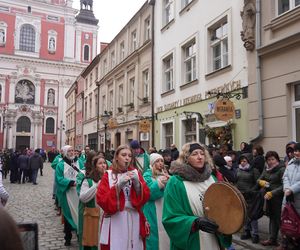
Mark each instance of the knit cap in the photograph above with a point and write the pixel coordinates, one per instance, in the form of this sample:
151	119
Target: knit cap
227	158
154	157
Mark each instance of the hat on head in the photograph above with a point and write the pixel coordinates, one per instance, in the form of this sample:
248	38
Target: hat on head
297	146
154	157
65	149
219	160
244	156
134	144
227	158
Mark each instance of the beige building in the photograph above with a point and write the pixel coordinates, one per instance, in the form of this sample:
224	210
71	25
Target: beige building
125	83
71	115
274	75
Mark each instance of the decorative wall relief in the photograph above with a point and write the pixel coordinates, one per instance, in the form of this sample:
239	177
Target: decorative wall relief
25	92
249	19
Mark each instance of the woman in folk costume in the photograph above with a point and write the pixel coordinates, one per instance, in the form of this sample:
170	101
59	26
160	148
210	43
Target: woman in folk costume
156	178
87	191
65	175
121	194
183	216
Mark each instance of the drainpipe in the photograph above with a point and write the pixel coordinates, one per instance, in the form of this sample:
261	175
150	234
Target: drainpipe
258	74
152	3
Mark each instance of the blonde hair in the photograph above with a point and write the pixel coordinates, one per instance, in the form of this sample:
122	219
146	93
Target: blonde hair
185	153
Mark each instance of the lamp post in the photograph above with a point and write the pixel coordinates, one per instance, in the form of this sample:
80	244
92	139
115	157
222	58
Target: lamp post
61	128
105	118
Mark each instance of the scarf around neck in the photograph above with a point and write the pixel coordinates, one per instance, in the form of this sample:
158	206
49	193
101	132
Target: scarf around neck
245	168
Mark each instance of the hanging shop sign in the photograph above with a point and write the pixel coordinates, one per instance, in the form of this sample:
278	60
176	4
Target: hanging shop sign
112	123
144	126
224	109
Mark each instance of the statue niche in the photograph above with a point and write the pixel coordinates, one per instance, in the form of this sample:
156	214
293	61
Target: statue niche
51	97
248	23
25	92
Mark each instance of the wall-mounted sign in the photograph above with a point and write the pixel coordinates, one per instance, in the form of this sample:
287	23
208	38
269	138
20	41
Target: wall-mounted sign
112	123
224	109
238	114
144	126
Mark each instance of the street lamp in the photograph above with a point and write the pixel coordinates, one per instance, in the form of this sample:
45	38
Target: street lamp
105	118
61	128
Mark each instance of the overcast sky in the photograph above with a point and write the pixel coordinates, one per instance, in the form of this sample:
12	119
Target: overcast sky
113	15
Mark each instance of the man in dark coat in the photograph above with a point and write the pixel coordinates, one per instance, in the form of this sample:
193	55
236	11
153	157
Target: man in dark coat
35	163
174	152
23	166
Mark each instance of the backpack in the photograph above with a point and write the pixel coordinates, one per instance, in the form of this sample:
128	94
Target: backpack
290	221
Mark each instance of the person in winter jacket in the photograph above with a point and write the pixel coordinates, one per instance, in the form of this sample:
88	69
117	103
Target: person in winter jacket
271	181
23	166
227	172
3	193
156	178
246	178
35	163
140	157
258	158
291	189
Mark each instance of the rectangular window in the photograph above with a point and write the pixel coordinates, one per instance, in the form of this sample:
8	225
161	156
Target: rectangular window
104	66
133	41
168	134
85	108
189	52
91	106
190	130
86	83
168	73
120	98
146	83
131	90
96	105
168	15
122	51
112	59
147	29
91	78
96	73
103	104
286	5
111	100
219	45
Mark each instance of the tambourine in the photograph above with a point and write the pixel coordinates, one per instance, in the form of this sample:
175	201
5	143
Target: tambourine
225	204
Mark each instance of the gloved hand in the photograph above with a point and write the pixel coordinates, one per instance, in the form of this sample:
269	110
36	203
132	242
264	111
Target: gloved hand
206	225
262	183
71	183
268	195
123	180
135	179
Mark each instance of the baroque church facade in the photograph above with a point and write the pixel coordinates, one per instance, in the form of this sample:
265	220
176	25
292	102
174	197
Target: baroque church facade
44	46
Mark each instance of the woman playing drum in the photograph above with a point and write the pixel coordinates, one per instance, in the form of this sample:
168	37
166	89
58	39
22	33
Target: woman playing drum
183	215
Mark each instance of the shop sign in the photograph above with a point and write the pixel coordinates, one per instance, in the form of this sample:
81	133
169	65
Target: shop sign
144	126
224	109
112	123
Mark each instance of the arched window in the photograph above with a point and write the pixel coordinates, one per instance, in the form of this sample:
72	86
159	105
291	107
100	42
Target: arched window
25	92
50	126
24	124
27	38
51	97
86	53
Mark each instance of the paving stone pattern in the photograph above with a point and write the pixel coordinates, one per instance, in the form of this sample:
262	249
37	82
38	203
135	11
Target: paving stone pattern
30	203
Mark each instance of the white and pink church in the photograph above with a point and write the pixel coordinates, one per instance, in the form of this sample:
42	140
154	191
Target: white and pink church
44	46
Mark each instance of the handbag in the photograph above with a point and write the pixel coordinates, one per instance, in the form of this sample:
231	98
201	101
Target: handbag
290	221
90	232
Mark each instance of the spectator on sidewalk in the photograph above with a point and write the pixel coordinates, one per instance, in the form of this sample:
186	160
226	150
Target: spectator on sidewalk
35	163
140	157
271	181
3	193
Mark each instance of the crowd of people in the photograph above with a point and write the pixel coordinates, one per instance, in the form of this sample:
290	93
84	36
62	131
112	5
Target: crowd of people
150	200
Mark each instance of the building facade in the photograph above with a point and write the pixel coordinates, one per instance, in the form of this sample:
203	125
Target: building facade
274	77
44	45
198	53
125	80
71	115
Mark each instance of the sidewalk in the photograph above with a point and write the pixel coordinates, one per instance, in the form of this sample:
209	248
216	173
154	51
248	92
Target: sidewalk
263	228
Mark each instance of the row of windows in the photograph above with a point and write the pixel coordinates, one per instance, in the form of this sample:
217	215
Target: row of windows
218	51
24	125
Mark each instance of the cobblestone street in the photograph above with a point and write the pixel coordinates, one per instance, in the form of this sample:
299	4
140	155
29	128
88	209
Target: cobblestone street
33	203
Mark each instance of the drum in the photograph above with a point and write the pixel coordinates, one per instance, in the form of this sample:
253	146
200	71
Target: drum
224	204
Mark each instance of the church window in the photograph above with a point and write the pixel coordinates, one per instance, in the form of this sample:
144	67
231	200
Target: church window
86	53
27	38
24	124
3	28
50	125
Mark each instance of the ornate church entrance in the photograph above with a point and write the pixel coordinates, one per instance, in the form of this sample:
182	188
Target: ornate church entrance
22	142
